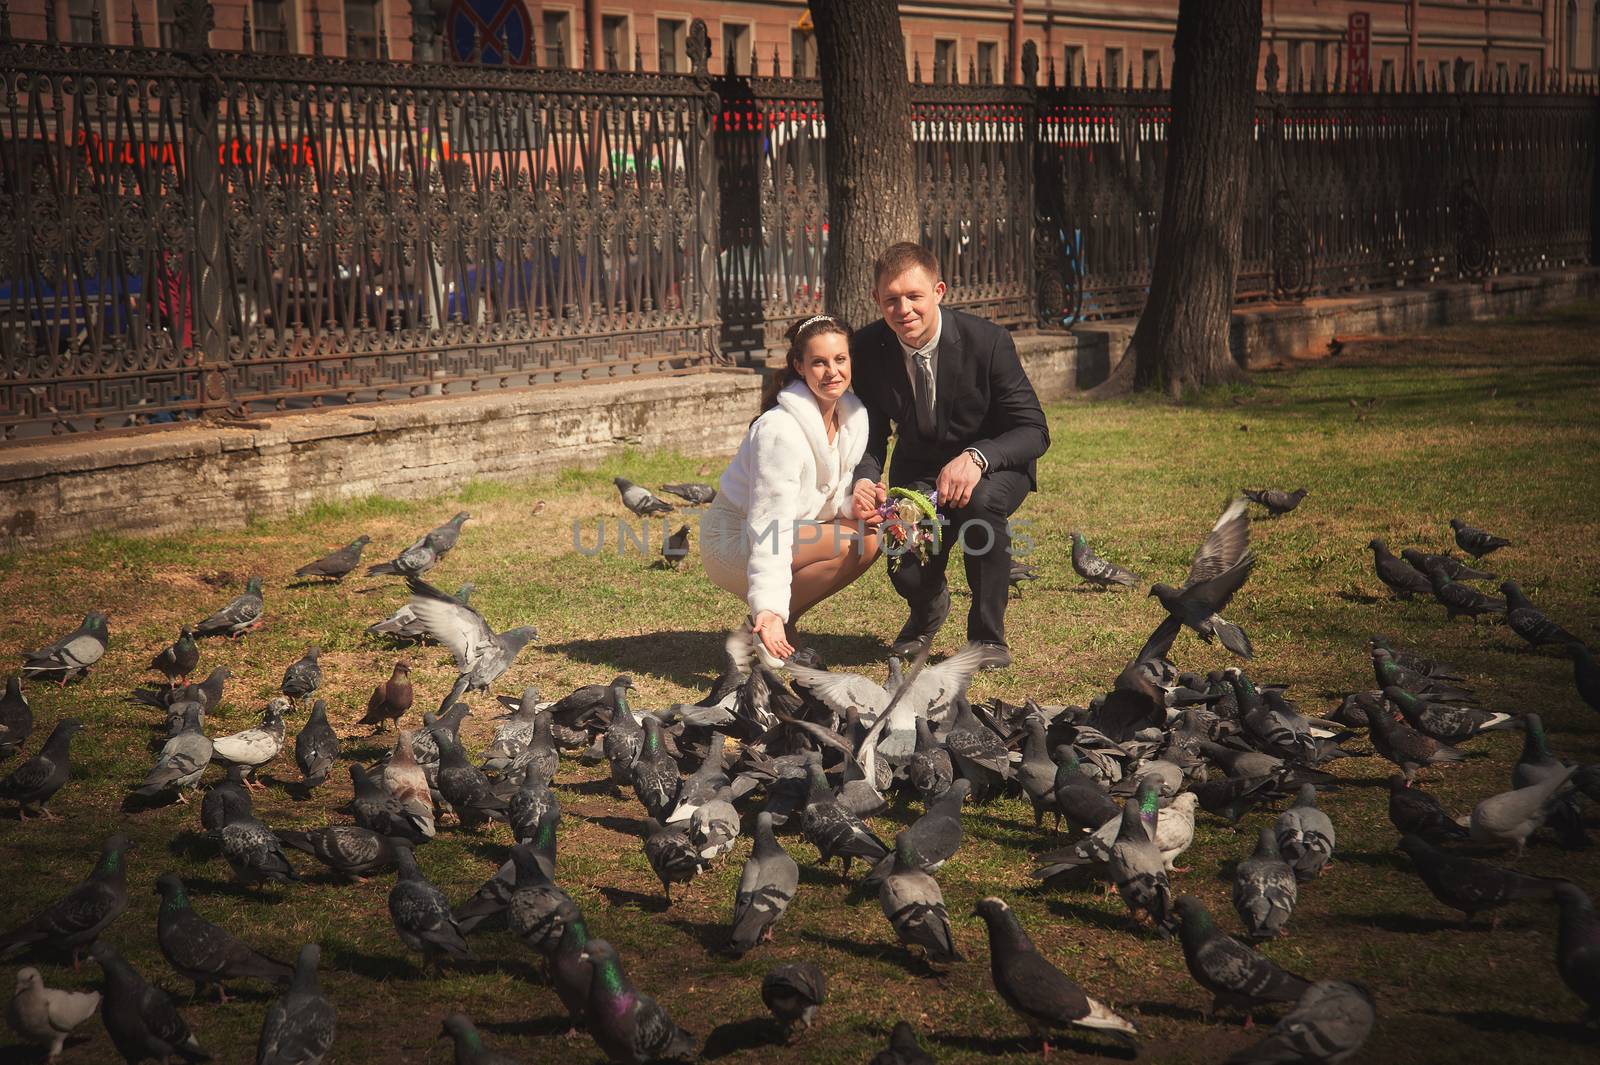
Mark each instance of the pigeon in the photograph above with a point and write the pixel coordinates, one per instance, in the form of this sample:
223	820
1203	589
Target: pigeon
531	806
303	677
316	747
225	798
299	1027
531	865
73	922
672	854
537	909
202	952
903	1048
694	494
714	827
1404	745
1237	977
766	886
34	782
655	775
1037	773
1038	992
1082	801
1476	542
640	500
390	699
1220	568
931	839
1585	675
525	743
570	972
794	993
1401	578
1329	1024
914	905
979	754
704	784
349	850
628	1025
178	661
253	851
1136	866
182	761
833	830
1416	813
1529	622
1510	817
253	747
466	788
70	657
1265	889
16	718
470	1048
930	769
1459	598
1096	571
1277	502
1305	835
242	613
338	565
1469	885
421	914
208	693
1446	723
377	810
1454	568
675	548
1020	574
425	553
1175	830
481	655
403	623
141	1018
46	1016
1577	946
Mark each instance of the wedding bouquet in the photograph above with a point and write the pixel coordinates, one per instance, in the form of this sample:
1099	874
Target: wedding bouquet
910	525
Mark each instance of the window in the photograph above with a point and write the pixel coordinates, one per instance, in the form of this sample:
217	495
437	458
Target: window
1572	34
802	54
361	28
1319	64
1386	75
1072	63
166	23
988	58
1152	64
1469	72
1445	77
271	23
614	42
671	54
736	46
80	21
1114	67
1523	75
944	62
1501	73
556	31
1291	66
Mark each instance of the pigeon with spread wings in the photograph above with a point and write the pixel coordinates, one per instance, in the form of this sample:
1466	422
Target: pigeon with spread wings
481	654
1220	568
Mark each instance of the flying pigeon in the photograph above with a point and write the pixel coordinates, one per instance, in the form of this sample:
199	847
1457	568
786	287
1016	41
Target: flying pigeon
1329	1024
1529	622
640	500
349	850
141	1018
470	1047
1476	542
914	905
73	922
1096	571
339	564
1305	835
316	747
1469	885
242	613
403	623
1416	813
304	676
766	886
253	747
182	761
1042	995
794	993
1277	501
46	1016
1264	889
1237	977
421	914
481	655
299	1027
695	494
178	661
202	952
71	656
425	553
1402	579
1220	568
34	782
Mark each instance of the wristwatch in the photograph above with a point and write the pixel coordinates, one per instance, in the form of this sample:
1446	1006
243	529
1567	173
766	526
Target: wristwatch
977	456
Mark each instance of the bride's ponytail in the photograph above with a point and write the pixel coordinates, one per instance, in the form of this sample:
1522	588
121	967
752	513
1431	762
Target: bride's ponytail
799	335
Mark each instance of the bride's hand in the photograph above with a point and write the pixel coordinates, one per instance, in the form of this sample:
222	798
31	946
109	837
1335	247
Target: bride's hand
769	627
867	496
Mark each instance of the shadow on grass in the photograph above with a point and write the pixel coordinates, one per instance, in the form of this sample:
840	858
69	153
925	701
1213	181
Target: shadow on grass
648	903
1091	916
534	1028
995	1046
1511	1023
694	658
1410	923
711	935
735	1036
265	894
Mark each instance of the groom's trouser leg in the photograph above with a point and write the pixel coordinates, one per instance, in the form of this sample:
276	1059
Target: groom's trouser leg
986	549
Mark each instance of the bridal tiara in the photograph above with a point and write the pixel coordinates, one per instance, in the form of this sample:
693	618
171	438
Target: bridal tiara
813	320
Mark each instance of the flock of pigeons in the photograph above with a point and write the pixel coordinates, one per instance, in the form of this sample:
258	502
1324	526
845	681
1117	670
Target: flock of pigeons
815	755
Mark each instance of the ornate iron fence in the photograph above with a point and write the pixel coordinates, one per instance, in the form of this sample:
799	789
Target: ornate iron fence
192	230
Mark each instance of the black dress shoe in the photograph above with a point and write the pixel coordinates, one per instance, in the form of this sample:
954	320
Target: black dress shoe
999	654
923	624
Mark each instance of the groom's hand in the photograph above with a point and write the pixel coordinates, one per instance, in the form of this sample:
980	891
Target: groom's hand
867	496
957	480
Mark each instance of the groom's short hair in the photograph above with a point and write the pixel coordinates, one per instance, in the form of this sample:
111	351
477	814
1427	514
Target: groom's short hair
896	259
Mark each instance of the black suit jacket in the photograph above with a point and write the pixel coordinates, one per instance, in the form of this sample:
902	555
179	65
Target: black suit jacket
982	399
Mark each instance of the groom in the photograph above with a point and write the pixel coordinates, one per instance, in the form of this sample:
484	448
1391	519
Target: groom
968	425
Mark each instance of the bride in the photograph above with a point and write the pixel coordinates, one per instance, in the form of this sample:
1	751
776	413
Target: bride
780	533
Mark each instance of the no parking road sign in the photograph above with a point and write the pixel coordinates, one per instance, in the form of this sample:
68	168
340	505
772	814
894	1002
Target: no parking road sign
503	29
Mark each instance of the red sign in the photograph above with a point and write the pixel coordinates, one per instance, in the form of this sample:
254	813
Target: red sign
1358	47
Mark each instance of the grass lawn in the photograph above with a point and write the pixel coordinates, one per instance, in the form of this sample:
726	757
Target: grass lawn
1493	422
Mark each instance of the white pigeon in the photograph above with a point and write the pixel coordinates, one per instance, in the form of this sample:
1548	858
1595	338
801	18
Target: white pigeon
1175	829
254	747
47	1015
1512	816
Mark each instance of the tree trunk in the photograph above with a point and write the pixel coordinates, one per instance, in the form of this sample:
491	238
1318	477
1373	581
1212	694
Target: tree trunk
871	167
1181	340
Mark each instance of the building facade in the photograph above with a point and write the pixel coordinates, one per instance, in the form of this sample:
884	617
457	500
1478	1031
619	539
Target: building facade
1126	42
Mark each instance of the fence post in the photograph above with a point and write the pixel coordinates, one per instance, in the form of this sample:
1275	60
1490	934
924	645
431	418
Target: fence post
708	200
1474	230
208	283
